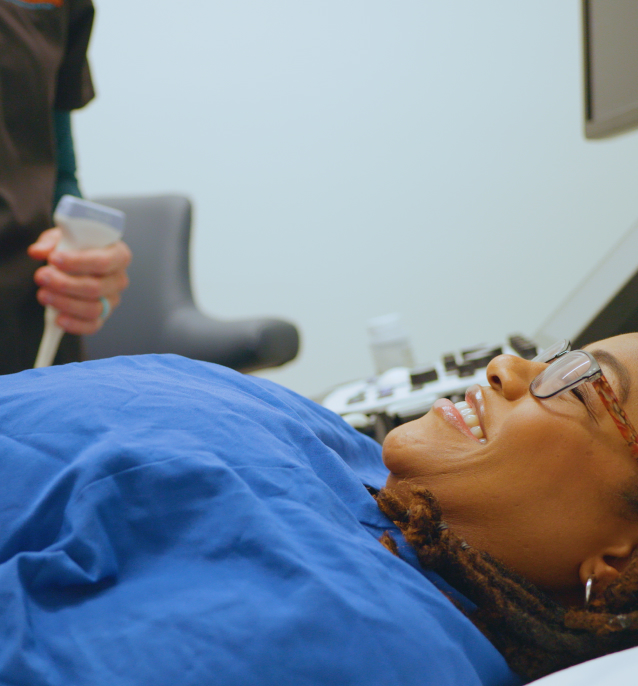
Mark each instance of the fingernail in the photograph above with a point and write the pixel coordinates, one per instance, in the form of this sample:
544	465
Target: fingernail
44	278
57	259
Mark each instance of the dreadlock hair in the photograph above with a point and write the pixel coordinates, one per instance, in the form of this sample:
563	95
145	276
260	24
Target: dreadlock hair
535	634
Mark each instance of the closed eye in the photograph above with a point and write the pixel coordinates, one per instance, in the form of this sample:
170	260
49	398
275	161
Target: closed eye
582	395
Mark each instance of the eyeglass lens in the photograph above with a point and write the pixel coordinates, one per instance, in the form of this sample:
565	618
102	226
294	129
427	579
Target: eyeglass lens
564	372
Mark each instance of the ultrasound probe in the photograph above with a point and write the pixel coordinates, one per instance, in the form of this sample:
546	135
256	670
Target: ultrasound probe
84	225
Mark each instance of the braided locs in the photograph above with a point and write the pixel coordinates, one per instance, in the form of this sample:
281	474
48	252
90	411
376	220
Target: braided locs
535	634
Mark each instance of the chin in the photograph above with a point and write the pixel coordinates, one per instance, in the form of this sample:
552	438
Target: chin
412	451
403	440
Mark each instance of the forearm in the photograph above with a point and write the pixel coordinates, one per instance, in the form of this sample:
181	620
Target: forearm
66	179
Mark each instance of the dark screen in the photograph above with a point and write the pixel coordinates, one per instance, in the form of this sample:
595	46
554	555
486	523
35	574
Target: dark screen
611	66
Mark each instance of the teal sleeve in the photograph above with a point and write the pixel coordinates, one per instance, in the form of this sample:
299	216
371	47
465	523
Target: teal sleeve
66	181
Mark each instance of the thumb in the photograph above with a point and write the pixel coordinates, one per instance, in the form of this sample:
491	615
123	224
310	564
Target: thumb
44	244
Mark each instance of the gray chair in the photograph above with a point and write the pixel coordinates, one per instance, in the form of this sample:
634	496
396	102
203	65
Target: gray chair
157	313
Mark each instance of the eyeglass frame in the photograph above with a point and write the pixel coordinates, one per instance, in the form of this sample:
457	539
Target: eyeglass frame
597	379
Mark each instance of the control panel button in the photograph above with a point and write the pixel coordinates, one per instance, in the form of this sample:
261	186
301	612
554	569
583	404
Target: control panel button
465	369
419	377
481	357
449	362
358	398
523	346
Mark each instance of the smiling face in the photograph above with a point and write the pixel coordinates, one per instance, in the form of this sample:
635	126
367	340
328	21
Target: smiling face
552	488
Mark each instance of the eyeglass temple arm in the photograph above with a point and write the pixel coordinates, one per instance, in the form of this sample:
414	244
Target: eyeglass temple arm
610	401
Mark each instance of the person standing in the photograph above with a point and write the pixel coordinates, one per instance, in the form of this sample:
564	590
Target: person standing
44	75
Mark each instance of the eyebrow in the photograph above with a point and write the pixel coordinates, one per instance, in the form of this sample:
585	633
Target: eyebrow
619	369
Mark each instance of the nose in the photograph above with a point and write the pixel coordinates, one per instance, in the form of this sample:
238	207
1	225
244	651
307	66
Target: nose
511	375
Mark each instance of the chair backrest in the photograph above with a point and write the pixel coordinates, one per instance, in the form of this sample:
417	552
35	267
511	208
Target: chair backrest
157	313
158	233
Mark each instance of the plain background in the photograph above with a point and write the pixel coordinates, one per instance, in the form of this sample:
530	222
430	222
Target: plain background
350	158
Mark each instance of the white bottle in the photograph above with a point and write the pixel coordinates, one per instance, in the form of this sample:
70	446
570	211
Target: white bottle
389	343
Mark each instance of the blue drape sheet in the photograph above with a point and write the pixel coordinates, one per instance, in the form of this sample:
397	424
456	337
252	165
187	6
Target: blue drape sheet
165	521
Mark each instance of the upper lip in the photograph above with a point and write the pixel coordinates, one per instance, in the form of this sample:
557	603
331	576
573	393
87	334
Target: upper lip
474	397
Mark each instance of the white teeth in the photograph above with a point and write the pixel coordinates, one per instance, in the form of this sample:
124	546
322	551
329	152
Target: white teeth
470	418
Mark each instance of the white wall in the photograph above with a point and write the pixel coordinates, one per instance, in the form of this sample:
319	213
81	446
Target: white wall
349	158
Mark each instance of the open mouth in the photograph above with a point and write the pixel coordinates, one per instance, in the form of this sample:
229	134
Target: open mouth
466	415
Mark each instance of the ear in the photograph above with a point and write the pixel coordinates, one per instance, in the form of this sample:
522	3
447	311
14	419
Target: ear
606	566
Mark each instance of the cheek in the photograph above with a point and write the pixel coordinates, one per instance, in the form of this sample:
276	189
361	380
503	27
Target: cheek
546	441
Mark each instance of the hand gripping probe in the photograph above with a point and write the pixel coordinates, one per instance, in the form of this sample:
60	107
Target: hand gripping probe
84	225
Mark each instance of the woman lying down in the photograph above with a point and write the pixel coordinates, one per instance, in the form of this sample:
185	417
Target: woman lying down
166	521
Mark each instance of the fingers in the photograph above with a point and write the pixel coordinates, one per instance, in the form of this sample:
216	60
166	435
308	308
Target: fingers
56	282
92	261
77	316
77	298
73	281
45	244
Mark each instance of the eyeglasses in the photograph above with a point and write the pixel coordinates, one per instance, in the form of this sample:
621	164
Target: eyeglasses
569	369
